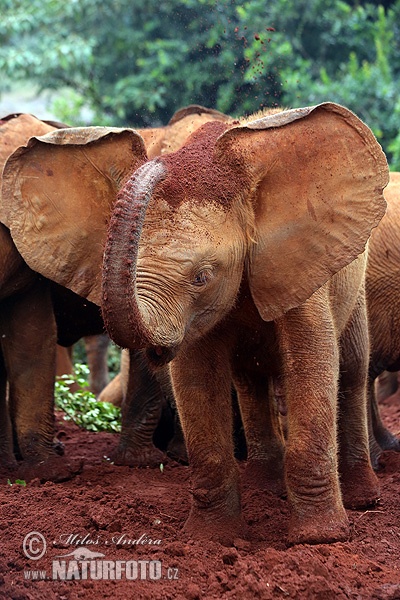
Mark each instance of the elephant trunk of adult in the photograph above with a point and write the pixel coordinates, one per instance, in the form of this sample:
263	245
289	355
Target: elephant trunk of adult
121	312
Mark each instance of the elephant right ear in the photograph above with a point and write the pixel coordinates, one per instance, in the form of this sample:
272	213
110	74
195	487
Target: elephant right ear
57	196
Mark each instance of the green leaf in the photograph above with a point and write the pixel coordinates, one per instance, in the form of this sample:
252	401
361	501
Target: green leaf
82	406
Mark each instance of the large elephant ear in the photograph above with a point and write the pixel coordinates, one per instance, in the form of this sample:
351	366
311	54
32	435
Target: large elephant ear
15	131
57	196
318	175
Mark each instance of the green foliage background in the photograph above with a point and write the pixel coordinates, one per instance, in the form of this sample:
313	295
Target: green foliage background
135	63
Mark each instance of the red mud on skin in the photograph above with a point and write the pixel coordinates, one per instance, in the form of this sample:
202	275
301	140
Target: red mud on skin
194	174
105	502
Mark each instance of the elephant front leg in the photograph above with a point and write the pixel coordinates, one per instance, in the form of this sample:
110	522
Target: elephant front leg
141	411
358	481
201	379
311	367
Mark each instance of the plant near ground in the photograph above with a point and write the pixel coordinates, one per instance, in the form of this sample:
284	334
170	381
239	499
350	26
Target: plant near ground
82	407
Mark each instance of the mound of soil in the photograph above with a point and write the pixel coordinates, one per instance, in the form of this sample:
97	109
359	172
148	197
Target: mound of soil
115	532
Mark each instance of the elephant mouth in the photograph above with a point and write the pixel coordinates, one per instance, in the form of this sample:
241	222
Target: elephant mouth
159	356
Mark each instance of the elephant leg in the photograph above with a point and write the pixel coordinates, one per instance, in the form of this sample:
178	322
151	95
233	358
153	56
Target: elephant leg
176	448
28	338
96	347
112	393
380	438
311	368
201	378
386	384
141	411
7	459
64	365
374	448
358	481
264	438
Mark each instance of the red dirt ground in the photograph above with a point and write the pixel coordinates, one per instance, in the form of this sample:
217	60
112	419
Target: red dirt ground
110	504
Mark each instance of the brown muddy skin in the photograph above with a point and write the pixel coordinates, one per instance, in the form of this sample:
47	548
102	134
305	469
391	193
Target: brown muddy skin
194	168
31	321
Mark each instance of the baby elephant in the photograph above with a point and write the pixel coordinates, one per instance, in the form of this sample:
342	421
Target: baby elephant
244	245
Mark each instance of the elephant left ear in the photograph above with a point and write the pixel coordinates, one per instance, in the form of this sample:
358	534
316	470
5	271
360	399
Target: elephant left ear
317	175
57	195
15	131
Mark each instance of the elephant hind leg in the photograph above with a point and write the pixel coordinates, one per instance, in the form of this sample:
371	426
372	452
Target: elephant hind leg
380	438
386	384
96	347
7	459
141	411
263	432
359	483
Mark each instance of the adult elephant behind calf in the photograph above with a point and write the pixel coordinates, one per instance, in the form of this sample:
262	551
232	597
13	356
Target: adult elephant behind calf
28	337
383	300
219	257
34	311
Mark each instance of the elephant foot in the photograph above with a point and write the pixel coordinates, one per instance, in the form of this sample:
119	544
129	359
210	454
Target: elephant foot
216	509
8	464
7	458
177	450
360	487
132	456
262	474
224	529
53	468
320	528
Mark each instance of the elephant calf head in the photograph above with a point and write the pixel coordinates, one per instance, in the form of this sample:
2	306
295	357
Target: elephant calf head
285	201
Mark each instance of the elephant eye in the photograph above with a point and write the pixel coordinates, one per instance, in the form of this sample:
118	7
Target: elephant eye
202	277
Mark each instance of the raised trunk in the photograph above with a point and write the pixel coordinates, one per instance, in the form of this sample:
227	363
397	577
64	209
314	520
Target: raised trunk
121	313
